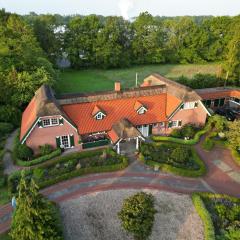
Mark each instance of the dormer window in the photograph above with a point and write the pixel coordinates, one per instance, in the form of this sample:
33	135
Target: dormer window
98	113
100	116
141	110
139	107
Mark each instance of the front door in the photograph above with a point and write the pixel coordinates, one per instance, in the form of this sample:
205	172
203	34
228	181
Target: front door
144	129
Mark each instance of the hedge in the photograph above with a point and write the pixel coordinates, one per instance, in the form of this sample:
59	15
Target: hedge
38	160
180	171
83	171
66	176
193	141
209	233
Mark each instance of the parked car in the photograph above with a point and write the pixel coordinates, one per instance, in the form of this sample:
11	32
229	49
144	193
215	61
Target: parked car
228	113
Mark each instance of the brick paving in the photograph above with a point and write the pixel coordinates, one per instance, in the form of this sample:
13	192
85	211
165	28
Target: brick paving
220	178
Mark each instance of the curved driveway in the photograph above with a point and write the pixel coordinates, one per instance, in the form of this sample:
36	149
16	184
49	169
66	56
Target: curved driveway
222	177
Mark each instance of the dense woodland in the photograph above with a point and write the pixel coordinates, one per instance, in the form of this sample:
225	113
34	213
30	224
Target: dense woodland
30	46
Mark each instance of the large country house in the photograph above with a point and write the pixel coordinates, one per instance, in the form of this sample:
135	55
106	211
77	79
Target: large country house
94	119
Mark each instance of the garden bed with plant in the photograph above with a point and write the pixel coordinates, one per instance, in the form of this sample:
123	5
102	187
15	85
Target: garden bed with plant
72	165
220	215
175	158
188	134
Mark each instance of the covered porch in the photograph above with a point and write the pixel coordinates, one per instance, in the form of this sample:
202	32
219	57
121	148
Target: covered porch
125	137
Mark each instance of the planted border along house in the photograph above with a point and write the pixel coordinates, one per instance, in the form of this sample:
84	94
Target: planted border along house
94	119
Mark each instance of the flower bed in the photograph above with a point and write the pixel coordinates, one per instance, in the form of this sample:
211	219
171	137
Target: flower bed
72	165
220	214
174	158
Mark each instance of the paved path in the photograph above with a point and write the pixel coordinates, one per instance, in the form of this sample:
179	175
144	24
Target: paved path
138	176
9	166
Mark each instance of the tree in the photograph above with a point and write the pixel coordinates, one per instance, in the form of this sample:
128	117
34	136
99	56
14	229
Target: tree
147	43
80	40
233	134
137	215
46	29
232	63
33	218
113	43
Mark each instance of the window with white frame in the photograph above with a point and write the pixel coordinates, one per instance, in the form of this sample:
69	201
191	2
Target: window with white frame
174	123
50	122
54	121
161	124
189	105
46	122
100	116
65	141
141	110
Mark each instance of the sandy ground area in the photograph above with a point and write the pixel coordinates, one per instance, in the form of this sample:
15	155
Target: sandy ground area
94	217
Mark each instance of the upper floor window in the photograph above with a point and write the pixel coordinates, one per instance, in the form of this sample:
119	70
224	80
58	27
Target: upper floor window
50	122
100	116
190	105
142	110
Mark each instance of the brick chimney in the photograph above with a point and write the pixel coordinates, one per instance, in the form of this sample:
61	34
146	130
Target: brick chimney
117	86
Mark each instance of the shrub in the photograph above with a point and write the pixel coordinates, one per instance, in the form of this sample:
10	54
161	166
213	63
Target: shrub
180	154
38	173
205	216
24	152
5	128
39	160
137	215
208	144
188	130
45	149
176	133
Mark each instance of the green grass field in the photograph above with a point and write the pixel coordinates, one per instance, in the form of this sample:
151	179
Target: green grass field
73	81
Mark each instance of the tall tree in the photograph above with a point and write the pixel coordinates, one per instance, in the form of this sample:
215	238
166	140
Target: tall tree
33	218
113	43
48	32
81	39
147	44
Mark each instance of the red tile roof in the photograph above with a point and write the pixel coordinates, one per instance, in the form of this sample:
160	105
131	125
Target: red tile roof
113	136
96	110
115	110
216	93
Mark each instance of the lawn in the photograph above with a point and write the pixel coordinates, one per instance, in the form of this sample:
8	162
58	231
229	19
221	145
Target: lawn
72	81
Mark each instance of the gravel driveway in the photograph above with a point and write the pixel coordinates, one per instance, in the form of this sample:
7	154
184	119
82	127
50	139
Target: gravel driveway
94	217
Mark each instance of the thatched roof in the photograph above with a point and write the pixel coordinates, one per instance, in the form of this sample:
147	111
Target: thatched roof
174	88
124	129
110	95
46	104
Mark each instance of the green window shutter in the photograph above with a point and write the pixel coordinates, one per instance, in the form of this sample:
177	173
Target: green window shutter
61	121
179	123
150	129
40	123
196	104
58	142
169	124
72	140
182	106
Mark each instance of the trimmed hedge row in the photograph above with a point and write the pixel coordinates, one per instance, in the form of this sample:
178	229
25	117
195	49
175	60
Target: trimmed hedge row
209	233
2	176
38	160
83	171
193	141
179	171
78	172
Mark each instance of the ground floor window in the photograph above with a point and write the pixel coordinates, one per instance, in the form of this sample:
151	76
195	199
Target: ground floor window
65	141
